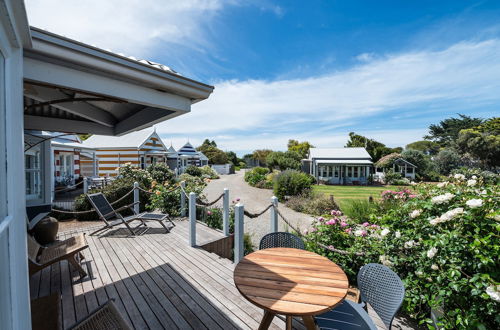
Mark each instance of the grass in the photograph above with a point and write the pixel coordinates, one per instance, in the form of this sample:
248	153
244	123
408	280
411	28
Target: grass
345	193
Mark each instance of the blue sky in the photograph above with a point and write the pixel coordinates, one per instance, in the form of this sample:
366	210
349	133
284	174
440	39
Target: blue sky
309	70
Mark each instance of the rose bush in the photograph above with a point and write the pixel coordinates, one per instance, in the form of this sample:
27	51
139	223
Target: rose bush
442	240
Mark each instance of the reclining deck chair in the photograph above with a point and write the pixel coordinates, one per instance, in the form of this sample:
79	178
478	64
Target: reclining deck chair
112	217
40	257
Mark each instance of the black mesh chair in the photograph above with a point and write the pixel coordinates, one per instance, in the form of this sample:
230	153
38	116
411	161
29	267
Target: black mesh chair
381	288
108	214
281	239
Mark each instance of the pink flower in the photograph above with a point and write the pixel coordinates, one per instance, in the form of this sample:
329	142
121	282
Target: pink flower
306	231
330	247
209	212
343	224
331	222
365	224
374	226
412	196
313	229
237	199
321	219
364	233
348	230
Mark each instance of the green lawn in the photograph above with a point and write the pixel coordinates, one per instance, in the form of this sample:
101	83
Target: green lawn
343	193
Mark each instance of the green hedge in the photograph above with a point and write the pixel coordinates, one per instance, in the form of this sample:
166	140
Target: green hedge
292	183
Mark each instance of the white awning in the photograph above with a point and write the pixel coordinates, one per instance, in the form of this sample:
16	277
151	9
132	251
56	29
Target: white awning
346	161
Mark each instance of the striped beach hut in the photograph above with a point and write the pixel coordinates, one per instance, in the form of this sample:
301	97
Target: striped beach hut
141	149
188	155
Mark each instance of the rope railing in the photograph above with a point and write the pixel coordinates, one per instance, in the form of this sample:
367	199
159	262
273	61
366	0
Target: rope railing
199	202
255	215
68	188
153	192
330	248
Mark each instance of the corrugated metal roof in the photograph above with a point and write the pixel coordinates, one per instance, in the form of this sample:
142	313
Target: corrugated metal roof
131	140
339	153
346	161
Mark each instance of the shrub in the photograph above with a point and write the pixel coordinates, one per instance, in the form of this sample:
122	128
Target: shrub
359	209
391	176
442	241
160	173
209	172
256	175
292	183
193	170
312	203
400	182
134	173
283	160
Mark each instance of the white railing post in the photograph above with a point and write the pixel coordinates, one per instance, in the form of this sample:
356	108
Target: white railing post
192	219
225	214
136	197
183	199
274	214
239	213
85	185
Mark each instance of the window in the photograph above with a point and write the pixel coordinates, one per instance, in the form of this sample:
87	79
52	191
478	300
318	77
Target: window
143	163
33	170
356	173
336	171
66	167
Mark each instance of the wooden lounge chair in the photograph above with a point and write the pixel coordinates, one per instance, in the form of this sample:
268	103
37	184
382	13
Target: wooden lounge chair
105	317
70	249
112	217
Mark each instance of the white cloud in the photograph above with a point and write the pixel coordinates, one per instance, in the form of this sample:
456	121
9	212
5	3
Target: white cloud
134	27
461	77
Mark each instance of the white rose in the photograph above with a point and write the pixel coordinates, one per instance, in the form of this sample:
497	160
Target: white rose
432	252
415	213
397	234
473	203
474	177
358	232
459	176
494	292
384	232
385	261
442	198
409	244
419	273
434	267
471	182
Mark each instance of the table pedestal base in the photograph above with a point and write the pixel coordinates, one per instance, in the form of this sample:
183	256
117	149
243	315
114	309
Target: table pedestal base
268	318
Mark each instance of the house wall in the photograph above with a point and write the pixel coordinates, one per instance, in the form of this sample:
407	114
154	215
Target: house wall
61	158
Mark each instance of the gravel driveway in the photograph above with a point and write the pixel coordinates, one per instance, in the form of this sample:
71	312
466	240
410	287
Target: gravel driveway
255	200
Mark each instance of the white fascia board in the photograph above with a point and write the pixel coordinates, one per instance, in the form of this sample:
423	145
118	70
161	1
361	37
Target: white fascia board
15	22
38	71
76	53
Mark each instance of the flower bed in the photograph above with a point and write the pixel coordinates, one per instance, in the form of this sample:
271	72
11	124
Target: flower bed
442	240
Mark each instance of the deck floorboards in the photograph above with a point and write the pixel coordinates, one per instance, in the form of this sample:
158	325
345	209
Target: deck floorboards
157	281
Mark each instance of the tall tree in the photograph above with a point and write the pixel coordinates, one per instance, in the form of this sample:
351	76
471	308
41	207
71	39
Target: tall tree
427	147
376	149
214	154
482	142
260	155
446	132
302	148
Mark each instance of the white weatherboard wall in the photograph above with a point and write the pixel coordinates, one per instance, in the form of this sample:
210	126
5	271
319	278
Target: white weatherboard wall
14	287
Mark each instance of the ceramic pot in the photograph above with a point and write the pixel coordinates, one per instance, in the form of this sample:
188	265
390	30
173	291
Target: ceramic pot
45	231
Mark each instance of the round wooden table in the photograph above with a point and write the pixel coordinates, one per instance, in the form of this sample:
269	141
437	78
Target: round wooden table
291	282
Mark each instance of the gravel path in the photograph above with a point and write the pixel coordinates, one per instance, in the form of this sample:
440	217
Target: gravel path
255	200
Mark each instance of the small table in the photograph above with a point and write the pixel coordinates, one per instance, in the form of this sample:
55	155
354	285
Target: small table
291	282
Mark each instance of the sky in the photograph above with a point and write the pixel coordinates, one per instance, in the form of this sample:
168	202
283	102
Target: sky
306	70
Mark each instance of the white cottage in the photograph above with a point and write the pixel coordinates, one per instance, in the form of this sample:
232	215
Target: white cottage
339	165
52	83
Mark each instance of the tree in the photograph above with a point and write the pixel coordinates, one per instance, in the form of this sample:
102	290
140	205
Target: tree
447	160
484	146
261	155
233	158
289	160
302	148
207	142
446	132
376	149
427	147
214	154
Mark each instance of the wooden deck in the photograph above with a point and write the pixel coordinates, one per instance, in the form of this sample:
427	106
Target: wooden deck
157	281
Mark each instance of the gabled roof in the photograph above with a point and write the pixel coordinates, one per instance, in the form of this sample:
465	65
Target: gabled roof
132	140
187	149
404	161
339	153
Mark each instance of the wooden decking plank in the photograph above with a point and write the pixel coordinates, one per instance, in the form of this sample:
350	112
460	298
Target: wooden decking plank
196	290
199	274
195	302
78	294
106	280
93	274
176	305
55	282
87	286
135	316
67	302
149	290
136	288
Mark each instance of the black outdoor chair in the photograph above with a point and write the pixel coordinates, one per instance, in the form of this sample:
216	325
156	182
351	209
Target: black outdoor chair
112	217
381	288
281	239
